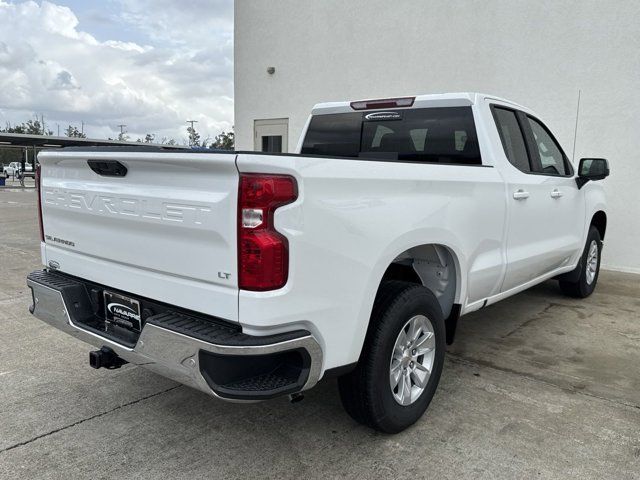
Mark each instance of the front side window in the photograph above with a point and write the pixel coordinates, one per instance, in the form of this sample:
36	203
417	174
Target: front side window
552	160
432	135
512	138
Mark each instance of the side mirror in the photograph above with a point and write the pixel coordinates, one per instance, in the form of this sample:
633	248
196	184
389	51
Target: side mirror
592	169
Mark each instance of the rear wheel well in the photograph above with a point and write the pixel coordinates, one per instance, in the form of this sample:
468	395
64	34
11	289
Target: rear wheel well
434	267
401	271
599	221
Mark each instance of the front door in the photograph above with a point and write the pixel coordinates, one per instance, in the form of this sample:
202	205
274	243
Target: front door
271	135
544	213
565	204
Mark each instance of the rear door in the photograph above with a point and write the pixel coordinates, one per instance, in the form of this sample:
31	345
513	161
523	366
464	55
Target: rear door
156	224
543	223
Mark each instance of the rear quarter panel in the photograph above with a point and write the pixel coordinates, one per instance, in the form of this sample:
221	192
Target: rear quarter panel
352	218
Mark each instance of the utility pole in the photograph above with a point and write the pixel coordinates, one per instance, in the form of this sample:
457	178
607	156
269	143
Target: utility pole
58	125
122	125
82	127
191	122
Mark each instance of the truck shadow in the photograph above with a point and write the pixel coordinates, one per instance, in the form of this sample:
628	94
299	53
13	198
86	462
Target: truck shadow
479	328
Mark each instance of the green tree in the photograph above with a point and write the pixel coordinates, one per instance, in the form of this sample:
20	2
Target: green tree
149	138
72	131
34	127
224	141
30	127
15	129
194	137
168	141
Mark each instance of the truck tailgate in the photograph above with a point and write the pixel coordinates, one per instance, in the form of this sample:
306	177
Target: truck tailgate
166	230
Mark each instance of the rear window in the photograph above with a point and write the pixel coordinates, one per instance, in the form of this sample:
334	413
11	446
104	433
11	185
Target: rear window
433	135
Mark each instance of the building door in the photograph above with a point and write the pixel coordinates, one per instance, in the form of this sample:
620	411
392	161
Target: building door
271	135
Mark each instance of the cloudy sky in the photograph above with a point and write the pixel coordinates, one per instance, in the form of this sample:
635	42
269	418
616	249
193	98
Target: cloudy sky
149	64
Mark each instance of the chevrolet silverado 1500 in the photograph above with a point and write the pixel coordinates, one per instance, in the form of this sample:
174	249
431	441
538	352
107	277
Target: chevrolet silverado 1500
250	275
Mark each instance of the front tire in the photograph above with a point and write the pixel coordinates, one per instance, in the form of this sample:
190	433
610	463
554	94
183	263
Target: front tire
589	266
401	361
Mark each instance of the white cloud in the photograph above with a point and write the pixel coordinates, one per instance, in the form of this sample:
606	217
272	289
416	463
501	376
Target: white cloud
180	67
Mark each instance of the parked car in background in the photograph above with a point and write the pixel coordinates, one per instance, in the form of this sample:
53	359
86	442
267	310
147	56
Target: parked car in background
15	168
353	258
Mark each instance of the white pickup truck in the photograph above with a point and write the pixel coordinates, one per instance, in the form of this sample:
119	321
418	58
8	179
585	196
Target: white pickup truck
15	168
250	275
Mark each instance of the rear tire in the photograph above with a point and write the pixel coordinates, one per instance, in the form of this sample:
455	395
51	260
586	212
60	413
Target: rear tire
589	268
402	311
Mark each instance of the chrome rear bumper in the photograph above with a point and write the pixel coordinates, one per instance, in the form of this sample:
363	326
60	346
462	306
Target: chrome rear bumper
169	353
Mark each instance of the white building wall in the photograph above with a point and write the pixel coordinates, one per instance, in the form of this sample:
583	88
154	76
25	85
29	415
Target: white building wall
536	53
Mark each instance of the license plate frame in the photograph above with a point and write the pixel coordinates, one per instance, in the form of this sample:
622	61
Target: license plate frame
122	310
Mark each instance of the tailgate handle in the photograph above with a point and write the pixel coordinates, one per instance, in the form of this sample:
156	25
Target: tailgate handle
108	168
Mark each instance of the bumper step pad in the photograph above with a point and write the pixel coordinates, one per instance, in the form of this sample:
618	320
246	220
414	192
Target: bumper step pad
261	383
216	333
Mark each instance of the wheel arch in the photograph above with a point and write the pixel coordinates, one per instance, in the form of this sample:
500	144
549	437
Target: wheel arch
433	265
438	267
599	220
392	265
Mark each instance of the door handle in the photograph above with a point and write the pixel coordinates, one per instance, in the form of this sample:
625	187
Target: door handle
556	193
520	194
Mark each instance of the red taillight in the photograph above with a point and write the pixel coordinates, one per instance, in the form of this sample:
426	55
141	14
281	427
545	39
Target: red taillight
263	252
38	192
383	103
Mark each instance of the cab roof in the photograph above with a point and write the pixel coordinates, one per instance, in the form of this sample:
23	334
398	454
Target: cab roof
461	99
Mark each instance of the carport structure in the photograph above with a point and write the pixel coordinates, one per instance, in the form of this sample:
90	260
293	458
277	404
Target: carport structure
35	143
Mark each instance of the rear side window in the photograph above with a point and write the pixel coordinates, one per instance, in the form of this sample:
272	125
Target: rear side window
433	135
512	138
335	135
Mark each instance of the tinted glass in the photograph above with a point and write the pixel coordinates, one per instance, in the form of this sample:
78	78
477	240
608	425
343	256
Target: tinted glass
335	135
272	143
512	138
551	156
434	135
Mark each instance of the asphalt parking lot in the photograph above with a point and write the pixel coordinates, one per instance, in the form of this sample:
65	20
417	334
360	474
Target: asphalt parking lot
537	386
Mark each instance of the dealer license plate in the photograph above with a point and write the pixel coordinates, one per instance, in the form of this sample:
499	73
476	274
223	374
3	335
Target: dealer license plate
122	311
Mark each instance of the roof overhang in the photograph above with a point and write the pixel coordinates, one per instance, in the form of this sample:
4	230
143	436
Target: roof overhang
50	141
